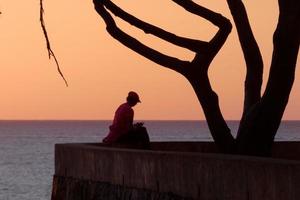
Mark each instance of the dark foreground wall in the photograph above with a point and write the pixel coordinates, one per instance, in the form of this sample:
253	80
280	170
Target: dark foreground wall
171	171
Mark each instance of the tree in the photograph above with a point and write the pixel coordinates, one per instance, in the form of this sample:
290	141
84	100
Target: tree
262	114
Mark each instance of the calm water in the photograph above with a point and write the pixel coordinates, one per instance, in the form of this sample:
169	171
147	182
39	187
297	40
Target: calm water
27	148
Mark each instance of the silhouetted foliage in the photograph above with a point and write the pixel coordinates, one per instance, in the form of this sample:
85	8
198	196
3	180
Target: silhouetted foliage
262	113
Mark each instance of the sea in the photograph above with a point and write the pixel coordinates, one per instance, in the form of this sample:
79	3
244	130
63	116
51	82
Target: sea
27	148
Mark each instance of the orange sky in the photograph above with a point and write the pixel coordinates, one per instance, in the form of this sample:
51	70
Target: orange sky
101	71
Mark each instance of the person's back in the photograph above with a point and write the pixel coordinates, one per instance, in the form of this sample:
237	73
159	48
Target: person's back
122	123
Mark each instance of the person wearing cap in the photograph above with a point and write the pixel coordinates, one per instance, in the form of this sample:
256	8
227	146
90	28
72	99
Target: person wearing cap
123	119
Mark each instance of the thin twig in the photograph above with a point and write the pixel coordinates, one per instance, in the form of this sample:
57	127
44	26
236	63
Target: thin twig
50	52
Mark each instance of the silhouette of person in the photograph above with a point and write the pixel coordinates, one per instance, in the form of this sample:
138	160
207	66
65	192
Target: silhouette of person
123	119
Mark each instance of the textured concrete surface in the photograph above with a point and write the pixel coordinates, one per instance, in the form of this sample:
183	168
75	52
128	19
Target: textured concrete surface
75	189
178	169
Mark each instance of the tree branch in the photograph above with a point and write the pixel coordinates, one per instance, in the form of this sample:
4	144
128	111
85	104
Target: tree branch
218	40
252	55
50	52
286	42
135	45
191	44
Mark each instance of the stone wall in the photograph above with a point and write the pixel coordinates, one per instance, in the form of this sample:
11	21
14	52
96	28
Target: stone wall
173	170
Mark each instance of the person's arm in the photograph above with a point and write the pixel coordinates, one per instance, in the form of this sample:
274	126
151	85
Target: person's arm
128	123
131	116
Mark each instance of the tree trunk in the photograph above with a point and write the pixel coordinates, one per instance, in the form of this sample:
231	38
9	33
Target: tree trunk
210	103
261	123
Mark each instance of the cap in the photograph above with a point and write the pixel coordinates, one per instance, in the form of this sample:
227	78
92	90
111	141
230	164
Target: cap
133	96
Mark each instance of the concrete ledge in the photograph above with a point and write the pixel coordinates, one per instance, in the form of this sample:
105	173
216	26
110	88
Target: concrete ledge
172	168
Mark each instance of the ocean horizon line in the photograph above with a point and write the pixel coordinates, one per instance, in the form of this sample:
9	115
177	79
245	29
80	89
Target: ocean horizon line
137	120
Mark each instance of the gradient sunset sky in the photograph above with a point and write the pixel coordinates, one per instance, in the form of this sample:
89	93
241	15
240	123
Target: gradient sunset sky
101	71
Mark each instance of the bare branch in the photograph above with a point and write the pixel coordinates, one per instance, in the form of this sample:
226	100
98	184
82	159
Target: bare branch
286	40
215	18
135	45
50	52
251	52
192	44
